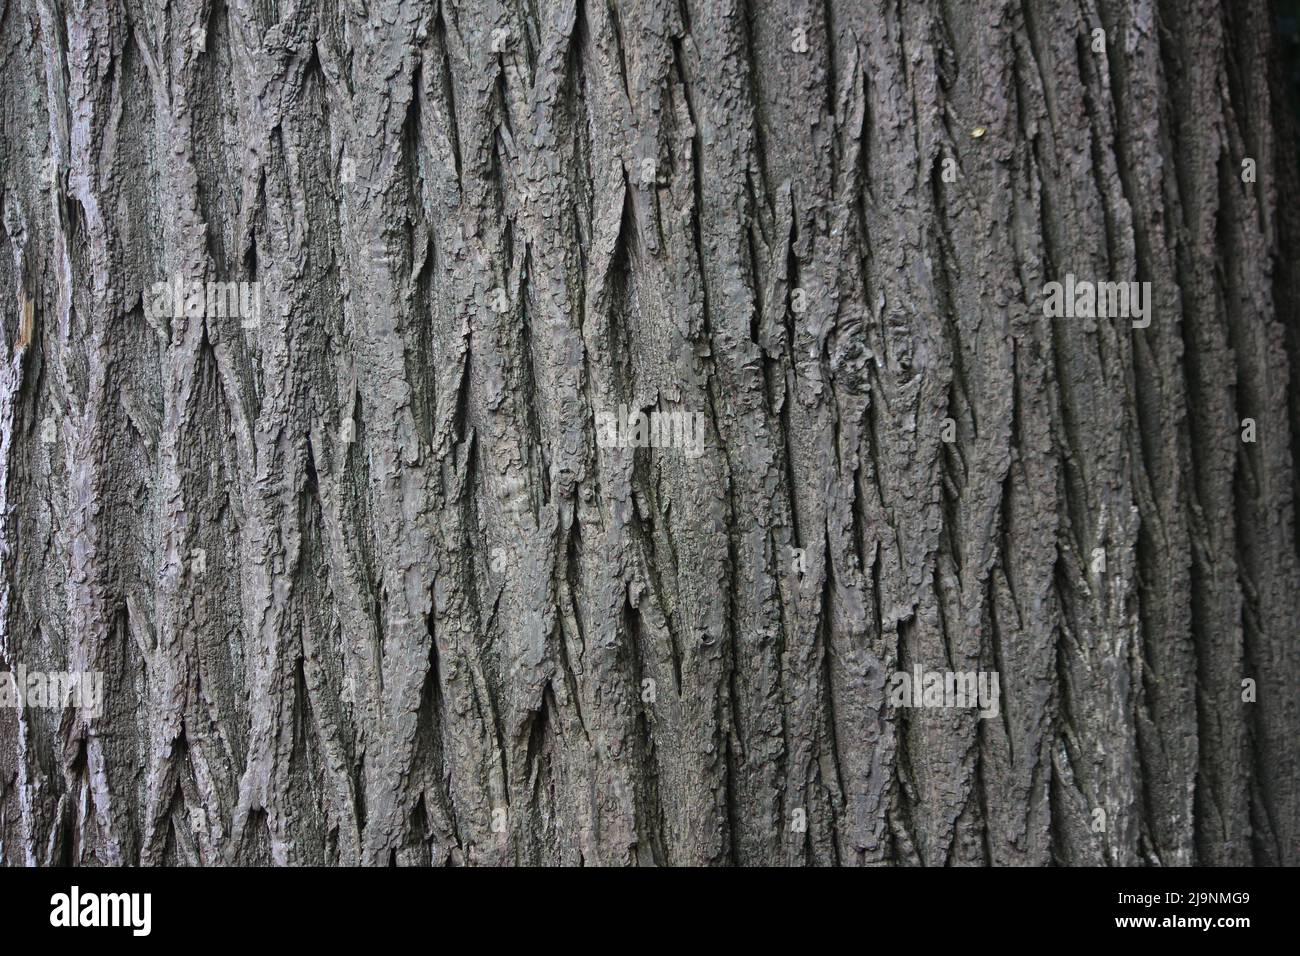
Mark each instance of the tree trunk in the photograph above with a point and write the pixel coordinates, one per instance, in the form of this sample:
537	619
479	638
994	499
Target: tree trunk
370	578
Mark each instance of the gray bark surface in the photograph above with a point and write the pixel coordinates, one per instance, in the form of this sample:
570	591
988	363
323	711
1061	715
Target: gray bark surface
425	637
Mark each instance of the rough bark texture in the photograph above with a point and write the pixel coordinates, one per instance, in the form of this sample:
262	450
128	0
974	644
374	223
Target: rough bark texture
428	641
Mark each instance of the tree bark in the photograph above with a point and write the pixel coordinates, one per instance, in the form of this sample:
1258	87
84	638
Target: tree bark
363	581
